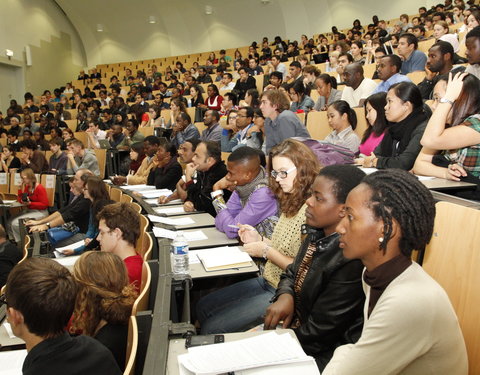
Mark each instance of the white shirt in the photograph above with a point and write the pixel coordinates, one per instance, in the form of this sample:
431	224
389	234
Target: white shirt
363	91
230	86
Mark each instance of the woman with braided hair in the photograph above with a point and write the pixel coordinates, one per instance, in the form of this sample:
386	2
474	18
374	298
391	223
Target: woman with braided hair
409	326
104	301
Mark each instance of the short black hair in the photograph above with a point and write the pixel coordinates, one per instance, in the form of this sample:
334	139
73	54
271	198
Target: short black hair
152	140
411	39
194	142
213	150
398	195
244	154
277	74
185	117
349	56
296	64
233	97
395	60
249	111
345	177
216	114
474	33
29	143
444	48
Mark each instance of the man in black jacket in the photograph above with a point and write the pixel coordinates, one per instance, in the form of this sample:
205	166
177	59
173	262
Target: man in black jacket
210	168
320	294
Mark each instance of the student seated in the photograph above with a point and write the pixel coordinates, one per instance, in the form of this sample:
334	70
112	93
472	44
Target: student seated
81	158
40	299
410	326
96	192
377	123
251	202
343	120
104	301
77	210
119	230
34	196
292	168
207	168
10	255
320	294
185	156
408	118
166	170
455	127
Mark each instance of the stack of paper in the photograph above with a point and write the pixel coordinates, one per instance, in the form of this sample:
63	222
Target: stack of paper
260	353
138	187
223	258
12	361
195	235
155	193
170	210
166	220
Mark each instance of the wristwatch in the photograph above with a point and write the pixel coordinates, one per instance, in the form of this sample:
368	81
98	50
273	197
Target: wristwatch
445	100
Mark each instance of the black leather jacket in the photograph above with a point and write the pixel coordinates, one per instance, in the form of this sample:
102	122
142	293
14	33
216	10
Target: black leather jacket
332	298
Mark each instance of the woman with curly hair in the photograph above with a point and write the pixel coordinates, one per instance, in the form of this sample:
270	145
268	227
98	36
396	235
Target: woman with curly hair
292	168
104	301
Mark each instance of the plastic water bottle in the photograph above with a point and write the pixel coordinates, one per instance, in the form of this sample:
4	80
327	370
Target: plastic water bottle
162	123
180	254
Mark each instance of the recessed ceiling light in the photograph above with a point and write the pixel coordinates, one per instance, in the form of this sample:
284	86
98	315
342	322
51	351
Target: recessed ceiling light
152	19
99	27
208	9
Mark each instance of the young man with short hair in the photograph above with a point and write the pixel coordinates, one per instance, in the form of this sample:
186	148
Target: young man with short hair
79	158
413	59
33	158
119	230
40	299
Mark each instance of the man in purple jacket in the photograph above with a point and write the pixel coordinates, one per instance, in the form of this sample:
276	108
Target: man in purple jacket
252	202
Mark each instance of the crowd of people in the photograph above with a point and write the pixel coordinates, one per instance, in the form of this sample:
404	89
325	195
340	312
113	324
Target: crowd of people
334	246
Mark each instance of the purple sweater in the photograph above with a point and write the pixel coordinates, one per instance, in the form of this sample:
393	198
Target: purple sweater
261	205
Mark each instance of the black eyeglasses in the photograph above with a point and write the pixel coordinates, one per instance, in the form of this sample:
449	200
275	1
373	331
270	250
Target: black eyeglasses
282	174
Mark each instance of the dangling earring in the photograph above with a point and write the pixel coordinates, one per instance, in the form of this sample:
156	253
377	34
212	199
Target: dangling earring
380	239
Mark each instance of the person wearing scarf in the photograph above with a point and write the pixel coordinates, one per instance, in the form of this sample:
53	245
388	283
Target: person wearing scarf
408	119
252	202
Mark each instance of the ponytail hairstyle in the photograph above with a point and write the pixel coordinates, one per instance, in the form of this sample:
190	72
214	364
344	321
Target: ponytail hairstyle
342	107
104	292
328	80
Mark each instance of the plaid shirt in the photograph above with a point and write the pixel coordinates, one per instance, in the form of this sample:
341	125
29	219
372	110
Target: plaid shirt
468	157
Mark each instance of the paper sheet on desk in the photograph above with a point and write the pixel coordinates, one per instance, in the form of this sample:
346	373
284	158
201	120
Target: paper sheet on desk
9	201
73	246
12	361
137	187
169	221
196	235
268	349
369	170
155	193
169	210
66	261
424	178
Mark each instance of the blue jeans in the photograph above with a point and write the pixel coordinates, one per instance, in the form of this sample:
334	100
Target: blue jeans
234	308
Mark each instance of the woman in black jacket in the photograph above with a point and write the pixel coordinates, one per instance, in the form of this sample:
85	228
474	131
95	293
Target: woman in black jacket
166	170
320	294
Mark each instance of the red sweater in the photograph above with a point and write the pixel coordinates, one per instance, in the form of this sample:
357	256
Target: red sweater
38	199
214	103
134	268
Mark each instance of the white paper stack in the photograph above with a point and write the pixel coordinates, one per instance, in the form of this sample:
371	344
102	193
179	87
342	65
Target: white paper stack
259	354
12	361
155	193
196	235
169	221
223	258
169	210
137	187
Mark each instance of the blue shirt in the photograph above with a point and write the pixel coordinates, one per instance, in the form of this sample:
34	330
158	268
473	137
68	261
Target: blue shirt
415	62
385	85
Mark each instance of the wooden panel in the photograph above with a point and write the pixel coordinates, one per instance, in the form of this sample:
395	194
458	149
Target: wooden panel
4	179
317	125
15	182
49	182
101	155
416	77
452	258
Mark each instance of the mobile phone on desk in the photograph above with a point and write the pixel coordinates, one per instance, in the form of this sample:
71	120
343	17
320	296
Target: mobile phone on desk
203	340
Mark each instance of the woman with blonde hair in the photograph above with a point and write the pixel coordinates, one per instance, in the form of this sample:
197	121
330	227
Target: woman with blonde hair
292	168
104	301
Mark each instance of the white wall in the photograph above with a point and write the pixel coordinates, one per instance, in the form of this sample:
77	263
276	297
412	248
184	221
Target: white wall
184	28
57	50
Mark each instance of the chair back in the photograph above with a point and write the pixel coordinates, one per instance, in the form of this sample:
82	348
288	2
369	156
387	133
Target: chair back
126	198
132	346
116	194
137	207
141	303
452	258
